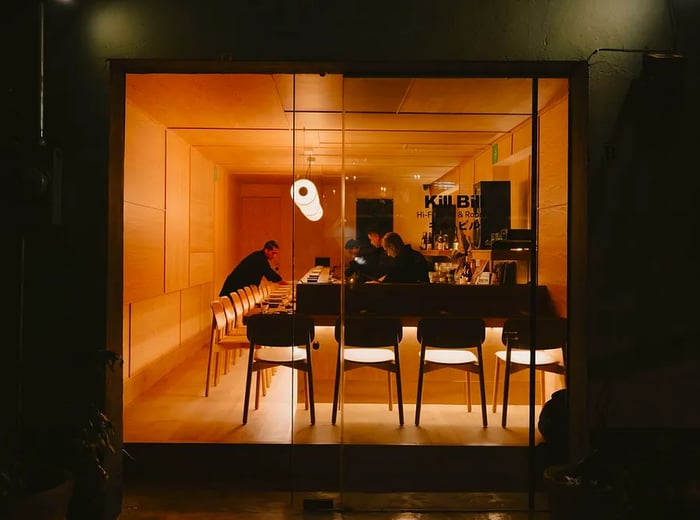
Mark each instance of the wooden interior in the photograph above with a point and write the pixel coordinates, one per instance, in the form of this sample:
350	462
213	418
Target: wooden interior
208	164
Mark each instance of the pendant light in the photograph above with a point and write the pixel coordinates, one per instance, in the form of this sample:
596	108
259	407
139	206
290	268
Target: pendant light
305	195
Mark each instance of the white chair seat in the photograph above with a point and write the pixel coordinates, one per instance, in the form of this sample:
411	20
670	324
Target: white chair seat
450	357
280	354
522	357
368	355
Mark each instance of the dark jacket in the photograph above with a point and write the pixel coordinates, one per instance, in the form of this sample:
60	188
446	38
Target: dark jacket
370	263
408	267
249	271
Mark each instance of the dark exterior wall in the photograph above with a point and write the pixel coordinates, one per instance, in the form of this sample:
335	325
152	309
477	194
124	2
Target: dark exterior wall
642	212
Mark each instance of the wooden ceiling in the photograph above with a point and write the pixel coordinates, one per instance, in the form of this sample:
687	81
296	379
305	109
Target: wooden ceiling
374	129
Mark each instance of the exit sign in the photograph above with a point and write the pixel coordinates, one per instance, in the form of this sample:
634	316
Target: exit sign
494	153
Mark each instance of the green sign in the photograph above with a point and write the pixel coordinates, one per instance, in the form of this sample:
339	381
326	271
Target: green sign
494	153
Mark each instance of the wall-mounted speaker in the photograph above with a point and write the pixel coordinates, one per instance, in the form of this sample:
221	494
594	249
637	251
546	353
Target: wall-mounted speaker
494	211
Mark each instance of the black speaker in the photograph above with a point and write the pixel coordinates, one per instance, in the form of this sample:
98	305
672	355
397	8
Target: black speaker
494	211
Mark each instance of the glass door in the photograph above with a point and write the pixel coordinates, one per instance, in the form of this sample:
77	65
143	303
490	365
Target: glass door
440	171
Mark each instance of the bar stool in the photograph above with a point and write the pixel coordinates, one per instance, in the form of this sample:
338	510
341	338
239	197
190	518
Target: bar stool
446	342
369	336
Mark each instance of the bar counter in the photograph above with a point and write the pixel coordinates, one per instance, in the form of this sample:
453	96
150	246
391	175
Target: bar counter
493	303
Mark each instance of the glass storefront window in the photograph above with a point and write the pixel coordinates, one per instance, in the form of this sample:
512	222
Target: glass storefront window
318	162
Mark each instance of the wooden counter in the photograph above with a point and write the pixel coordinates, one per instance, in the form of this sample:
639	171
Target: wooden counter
493	303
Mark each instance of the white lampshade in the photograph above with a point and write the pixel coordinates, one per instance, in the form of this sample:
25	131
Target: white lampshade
305	196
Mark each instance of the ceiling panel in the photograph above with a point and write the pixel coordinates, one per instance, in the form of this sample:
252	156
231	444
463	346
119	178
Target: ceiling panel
393	126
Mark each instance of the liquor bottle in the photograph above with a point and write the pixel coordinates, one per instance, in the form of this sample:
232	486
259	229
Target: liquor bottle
430	240
424	240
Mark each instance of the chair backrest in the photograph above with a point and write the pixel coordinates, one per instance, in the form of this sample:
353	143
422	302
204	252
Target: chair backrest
257	294
281	330
550	332
251	297
247	304
370	331
229	312
265	288
451	332
239	308
219	322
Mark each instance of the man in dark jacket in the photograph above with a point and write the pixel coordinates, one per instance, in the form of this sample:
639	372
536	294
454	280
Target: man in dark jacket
252	268
408	266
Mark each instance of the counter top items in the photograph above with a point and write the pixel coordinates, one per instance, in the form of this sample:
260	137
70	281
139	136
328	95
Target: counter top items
493	303
318	274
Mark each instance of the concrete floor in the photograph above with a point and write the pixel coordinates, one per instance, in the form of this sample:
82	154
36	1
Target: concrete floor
210	501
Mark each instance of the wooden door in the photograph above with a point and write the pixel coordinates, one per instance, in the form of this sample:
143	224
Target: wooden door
261	220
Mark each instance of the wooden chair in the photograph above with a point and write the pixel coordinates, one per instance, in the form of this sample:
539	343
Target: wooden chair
251	297
447	342
257	294
265	287
368	338
241	309
220	344
234	323
550	333
288	338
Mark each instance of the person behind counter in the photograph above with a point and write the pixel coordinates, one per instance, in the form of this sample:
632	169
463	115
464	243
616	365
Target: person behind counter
352	249
252	269
372	259
409	266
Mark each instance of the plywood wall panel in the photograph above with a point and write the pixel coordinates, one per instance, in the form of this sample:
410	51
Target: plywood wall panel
202	175
155	329
553	254
201	268
177	214
126	340
144	159
144	252
522	137
554	155
191	313
482	168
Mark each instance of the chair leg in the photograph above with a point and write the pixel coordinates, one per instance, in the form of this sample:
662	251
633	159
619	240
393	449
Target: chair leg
208	380
482	387
388	384
495	384
399	391
336	388
310	389
248	379
468	385
217	368
257	388
506	385
419	396
227	360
